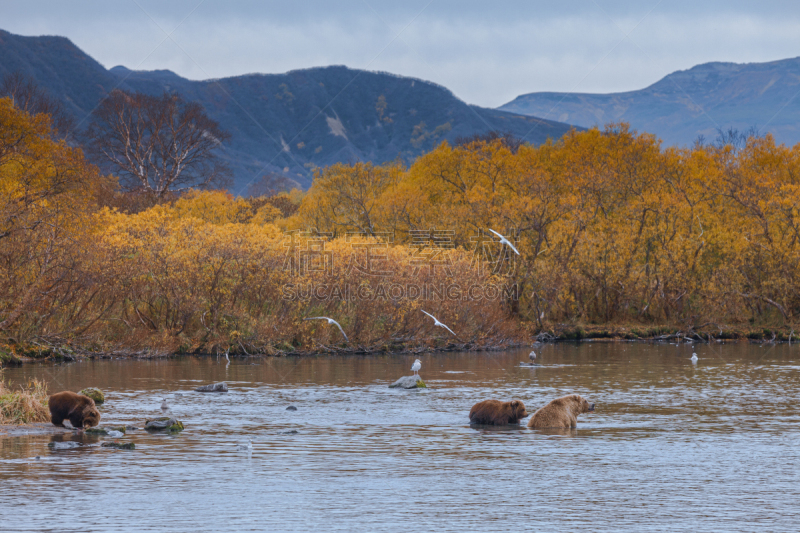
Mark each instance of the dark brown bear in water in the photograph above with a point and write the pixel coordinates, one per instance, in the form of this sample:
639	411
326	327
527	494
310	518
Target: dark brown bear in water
78	409
561	413
497	413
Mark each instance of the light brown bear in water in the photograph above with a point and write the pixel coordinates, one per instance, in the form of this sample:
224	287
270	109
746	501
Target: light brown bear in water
77	408
561	413
497	413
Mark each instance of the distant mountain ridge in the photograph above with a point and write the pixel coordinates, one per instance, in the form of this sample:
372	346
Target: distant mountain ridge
283	123
688	103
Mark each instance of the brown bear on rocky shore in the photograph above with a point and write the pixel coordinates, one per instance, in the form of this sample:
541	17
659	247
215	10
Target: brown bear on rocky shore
561	413
78	409
497	413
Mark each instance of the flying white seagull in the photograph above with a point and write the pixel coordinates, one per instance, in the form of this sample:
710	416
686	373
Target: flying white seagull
503	240
437	323
330	321
416	366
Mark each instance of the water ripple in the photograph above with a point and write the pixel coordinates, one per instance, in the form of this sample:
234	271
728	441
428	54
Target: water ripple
672	446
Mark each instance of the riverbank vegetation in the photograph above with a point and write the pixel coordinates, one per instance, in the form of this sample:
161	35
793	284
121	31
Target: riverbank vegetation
25	405
612	228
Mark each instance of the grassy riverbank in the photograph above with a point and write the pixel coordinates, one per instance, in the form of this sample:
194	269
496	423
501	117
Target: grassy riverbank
25	405
524	336
706	333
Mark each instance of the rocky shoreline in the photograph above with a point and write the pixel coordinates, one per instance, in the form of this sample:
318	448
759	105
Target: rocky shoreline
705	333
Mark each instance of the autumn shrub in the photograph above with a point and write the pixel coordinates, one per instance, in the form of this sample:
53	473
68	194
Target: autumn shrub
382	306
23	406
48	195
246	287
610	226
214	207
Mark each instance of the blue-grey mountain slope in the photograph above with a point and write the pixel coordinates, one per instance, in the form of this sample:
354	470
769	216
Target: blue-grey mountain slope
283	123
688	103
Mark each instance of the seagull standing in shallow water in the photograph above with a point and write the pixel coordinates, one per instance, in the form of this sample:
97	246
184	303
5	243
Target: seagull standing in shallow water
694	358
416	366
164	405
330	321
532	356
437	323
503	240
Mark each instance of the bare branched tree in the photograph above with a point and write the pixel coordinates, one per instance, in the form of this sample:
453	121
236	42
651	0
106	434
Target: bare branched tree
157	144
736	138
29	97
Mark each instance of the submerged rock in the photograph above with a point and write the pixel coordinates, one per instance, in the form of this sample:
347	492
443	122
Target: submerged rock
408	382
291	408
214	387
164	423
106	431
119	445
95	394
63	445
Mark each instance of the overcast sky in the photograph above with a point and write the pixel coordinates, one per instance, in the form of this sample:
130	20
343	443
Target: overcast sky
485	55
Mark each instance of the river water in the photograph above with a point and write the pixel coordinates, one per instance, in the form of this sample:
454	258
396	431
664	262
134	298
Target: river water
672	446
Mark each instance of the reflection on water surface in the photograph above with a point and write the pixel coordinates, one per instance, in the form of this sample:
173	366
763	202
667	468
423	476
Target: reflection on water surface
672	446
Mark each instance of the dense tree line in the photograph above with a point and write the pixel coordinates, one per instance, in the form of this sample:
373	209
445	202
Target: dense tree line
611	226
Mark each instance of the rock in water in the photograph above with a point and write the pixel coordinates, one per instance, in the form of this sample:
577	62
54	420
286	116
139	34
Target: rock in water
110	431
291	408
119	445
164	423
63	445
95	394
408	382
214	387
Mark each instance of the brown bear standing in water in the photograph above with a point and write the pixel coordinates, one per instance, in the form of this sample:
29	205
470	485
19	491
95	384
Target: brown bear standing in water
561	413
497	413
78	409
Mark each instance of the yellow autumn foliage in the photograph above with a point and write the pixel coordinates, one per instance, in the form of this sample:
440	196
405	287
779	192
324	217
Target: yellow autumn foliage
611	226
214	207
47	192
